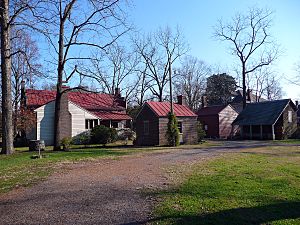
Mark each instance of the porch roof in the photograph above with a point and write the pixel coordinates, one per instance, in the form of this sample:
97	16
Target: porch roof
262	113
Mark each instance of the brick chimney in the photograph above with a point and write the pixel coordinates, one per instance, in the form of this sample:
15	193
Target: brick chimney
249	92
119	99
65	116
117	92
181	100
203	101
23	94
297	103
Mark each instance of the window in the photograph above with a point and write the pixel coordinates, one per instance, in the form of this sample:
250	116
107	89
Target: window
290	116
206	127
114	124
146	127
91	123
180	127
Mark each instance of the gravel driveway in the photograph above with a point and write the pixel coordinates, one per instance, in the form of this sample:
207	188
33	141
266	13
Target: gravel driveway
105	191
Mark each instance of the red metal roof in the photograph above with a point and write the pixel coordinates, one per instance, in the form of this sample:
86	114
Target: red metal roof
91	101
112	115
104	106
162	109
210	110
37	98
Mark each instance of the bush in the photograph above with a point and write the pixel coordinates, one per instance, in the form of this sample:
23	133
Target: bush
83	138
66	143
200	132
125	135
172	132
103	135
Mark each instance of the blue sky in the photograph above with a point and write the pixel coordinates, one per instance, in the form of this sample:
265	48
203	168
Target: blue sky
197	18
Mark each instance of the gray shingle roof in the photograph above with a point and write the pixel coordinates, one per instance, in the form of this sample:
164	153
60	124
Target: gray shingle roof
261	113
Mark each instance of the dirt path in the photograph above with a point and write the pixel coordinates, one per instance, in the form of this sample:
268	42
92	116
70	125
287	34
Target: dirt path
100	192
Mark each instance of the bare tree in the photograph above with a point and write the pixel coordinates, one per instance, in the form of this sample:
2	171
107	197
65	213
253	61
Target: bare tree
77	30
12	13
144	84
114	68
264	84
25	67
191	80
160	50
250	40
297	80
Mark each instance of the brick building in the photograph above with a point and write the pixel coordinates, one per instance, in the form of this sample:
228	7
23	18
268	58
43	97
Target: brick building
152	120
217	120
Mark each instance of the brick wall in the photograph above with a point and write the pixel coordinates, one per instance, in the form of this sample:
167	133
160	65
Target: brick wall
189	130
152	137
65	118
284	129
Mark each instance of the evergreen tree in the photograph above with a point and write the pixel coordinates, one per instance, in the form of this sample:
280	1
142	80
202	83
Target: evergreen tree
172	132
220	88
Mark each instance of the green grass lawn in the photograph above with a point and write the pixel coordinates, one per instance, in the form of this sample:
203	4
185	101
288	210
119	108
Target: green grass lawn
257	186
18	169
288	141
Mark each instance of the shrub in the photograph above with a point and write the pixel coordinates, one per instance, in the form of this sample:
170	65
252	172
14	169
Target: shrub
66	143
172	132
126	134
200	132
113	135
83	138
103	135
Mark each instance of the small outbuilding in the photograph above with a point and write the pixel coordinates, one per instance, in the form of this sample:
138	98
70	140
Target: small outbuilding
152	120
268	120
217	120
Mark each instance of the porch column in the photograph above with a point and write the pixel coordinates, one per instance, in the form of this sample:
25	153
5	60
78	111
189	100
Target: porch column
110	124
250	132
273	132
261	132
242	134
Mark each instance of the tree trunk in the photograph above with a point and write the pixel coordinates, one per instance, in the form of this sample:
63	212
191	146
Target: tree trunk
7	126
60	69
244	86
160	97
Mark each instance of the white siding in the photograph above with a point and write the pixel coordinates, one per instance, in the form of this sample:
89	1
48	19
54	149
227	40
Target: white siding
78	118
45	123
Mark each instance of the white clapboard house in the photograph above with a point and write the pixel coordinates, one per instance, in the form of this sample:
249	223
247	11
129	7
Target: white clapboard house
81	111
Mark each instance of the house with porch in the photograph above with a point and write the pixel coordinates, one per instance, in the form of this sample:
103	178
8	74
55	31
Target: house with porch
152	120
268	120
81	111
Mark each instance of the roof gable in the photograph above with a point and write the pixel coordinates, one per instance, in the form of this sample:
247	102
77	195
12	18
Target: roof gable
103	106
262	113
161	109
210	110
37	98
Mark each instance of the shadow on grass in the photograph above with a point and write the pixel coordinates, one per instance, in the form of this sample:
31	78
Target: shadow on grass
239	216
